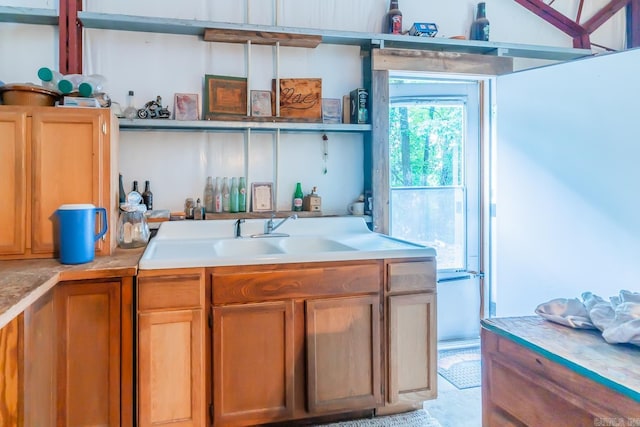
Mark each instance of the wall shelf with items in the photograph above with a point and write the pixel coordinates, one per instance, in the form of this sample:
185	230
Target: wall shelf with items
26	15
221	126
287	36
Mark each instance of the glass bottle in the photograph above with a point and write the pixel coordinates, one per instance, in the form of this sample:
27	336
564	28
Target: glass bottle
480	27
122	196
147	196
225	194
131	112
242	194
297	198
197	210
394	19
135	187
208	196
233	195
217	195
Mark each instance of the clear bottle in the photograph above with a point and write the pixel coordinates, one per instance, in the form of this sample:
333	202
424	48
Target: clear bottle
131	112
91	84
297	198
225	194
49	78
393	19
197	211
209	196
69	83
217	195
233	195
480	27
147	196
242	194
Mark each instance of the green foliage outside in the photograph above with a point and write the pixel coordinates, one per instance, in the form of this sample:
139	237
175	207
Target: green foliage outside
425	145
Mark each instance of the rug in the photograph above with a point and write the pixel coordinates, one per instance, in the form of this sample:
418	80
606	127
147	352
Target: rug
419	418
461	367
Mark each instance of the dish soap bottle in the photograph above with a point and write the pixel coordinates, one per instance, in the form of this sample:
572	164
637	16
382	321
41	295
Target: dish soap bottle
297	198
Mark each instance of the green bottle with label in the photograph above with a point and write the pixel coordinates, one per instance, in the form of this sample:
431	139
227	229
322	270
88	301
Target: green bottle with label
297	198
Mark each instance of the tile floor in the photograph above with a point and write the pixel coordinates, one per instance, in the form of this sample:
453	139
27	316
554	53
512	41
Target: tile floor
454	407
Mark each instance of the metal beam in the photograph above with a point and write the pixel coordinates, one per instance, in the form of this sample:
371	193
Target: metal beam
633	24
553	17
603	15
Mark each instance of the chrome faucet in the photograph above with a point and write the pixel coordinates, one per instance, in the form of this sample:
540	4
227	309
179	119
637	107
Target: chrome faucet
269	227
237	231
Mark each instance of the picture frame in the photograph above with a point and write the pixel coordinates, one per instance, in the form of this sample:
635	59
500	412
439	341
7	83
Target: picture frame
261	103
331	110
224	95
186	106
261	197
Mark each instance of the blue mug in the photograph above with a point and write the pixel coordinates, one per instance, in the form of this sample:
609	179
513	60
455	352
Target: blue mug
77	225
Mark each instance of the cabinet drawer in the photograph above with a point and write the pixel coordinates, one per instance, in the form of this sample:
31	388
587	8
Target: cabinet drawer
168	292
235	285
411	276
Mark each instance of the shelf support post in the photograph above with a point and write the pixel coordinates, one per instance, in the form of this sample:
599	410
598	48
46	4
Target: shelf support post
70	37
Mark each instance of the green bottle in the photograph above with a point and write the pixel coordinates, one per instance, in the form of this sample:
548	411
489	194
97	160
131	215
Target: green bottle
233	195
242	194
297	198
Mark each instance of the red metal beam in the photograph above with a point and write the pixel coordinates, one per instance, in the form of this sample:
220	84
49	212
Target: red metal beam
70	43
603	15
553	17
633	24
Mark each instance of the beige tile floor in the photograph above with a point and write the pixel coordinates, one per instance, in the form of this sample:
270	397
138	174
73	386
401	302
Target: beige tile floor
454	407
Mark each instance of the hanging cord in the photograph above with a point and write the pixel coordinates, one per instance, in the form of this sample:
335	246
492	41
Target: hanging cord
325	152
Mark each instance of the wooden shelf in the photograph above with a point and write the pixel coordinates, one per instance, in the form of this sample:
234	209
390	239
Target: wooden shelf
224	126
364	40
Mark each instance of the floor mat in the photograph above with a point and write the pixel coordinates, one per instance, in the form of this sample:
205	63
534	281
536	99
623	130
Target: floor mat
461	367
419	418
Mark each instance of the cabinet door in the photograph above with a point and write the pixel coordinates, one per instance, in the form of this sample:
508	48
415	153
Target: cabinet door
171	368
412	348
88	368
253	362
13	182
343	353
67	167
10	374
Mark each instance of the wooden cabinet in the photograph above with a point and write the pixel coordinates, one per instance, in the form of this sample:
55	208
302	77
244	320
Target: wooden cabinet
295	341
411	357
536	373
49	157
76	355
171	348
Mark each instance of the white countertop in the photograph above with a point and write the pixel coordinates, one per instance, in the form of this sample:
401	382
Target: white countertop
210	243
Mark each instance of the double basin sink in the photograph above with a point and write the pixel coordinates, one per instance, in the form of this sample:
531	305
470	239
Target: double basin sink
212	243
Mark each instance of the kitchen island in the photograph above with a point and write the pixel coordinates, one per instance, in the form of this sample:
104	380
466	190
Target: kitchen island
538	373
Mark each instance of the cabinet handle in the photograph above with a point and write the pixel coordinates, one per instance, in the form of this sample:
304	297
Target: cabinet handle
104	128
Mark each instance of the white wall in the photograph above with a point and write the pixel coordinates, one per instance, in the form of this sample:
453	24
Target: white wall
568	211
177	163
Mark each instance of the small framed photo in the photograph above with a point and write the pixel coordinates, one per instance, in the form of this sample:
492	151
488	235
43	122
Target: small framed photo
331	110
224	95
186	106
261	103
262	197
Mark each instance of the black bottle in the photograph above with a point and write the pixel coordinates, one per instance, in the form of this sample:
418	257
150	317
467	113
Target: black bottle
393	19
135	186
122	196
147	196
480	27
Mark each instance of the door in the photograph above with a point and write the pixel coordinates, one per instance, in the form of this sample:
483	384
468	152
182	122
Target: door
435	188
13	176
253	362
343	353
88	367
67	149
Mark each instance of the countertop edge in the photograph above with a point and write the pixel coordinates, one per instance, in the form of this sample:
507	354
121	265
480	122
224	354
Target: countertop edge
23	282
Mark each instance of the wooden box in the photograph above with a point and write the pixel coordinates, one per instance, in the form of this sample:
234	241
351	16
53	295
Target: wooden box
300	99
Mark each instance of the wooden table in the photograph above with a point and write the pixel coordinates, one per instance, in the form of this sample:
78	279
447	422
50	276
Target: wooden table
538	373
